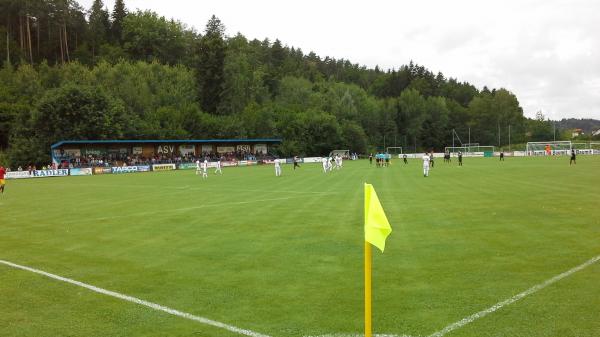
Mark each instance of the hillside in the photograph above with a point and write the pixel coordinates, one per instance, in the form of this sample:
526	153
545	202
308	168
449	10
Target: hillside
154	77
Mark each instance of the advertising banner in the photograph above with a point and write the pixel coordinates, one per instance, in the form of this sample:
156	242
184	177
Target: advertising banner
124	169
228	163
225	149
50	173
143	168
163	167
87	171
312	160
136	150
207	148
247	162
187	149
165	149
90	151
72	152
260	148
17	175
243	147
187	166
102	170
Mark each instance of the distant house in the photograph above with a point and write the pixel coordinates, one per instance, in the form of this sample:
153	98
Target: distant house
596	133
576	133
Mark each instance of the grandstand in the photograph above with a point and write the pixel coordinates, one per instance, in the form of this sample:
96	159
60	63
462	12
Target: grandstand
76	151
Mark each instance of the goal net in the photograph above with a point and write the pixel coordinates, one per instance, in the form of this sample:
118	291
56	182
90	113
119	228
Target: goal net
456	149
595	147
548	148
476	150
582	148
394	151
344	153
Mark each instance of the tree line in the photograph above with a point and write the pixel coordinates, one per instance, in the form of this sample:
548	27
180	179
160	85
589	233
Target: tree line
71	73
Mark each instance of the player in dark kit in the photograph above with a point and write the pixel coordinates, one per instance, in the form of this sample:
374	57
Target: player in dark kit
459	158
371	159
296	162
572	161
501	155
404	157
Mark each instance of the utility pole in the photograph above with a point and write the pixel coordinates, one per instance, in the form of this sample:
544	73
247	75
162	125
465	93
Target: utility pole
509	137
554	124
469	136
452	138
498	134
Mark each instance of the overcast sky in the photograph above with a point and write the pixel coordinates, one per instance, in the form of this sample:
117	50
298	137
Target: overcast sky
547	52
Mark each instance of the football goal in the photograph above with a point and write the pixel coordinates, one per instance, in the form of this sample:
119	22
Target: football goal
344	153
595	147
394	151
474	150
549	148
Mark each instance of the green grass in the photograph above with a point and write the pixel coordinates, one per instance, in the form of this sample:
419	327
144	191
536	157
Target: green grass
283	256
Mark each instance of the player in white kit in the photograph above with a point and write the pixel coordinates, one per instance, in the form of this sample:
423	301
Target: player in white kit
218	169
426	159
338	162
205	169
277	168
198	167
325	162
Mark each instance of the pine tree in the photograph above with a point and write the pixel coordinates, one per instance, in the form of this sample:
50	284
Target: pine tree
209	68
99	25
118	15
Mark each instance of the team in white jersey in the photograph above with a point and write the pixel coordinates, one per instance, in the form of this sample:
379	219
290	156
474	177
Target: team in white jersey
205	169
218	169
277	167
426	159
338	162
198	169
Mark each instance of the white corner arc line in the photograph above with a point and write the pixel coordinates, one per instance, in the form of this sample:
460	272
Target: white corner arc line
135	300
513	299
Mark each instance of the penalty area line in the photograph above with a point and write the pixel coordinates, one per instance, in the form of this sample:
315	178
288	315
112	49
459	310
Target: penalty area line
136	300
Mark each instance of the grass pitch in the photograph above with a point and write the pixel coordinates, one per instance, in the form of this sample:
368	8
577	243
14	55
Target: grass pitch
283	256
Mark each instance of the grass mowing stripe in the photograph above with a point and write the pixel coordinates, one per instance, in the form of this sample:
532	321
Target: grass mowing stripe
513	299
136	300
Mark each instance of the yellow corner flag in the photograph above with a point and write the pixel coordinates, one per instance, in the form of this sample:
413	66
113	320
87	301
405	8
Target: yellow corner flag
377	227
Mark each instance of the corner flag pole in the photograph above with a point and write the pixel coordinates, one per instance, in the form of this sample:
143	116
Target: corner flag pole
377	229
368	311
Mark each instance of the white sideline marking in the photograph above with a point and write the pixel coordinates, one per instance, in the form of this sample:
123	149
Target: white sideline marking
513	299
140	302
358	335
489	310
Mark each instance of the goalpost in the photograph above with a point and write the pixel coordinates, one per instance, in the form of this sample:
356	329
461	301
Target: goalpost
548	148
595	147
394	150
344	153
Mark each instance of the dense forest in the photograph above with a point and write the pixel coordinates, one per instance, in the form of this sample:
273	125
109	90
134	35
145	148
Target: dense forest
99	73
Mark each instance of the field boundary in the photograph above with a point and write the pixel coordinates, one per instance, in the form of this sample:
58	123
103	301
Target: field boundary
513	299
138	301
489	310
